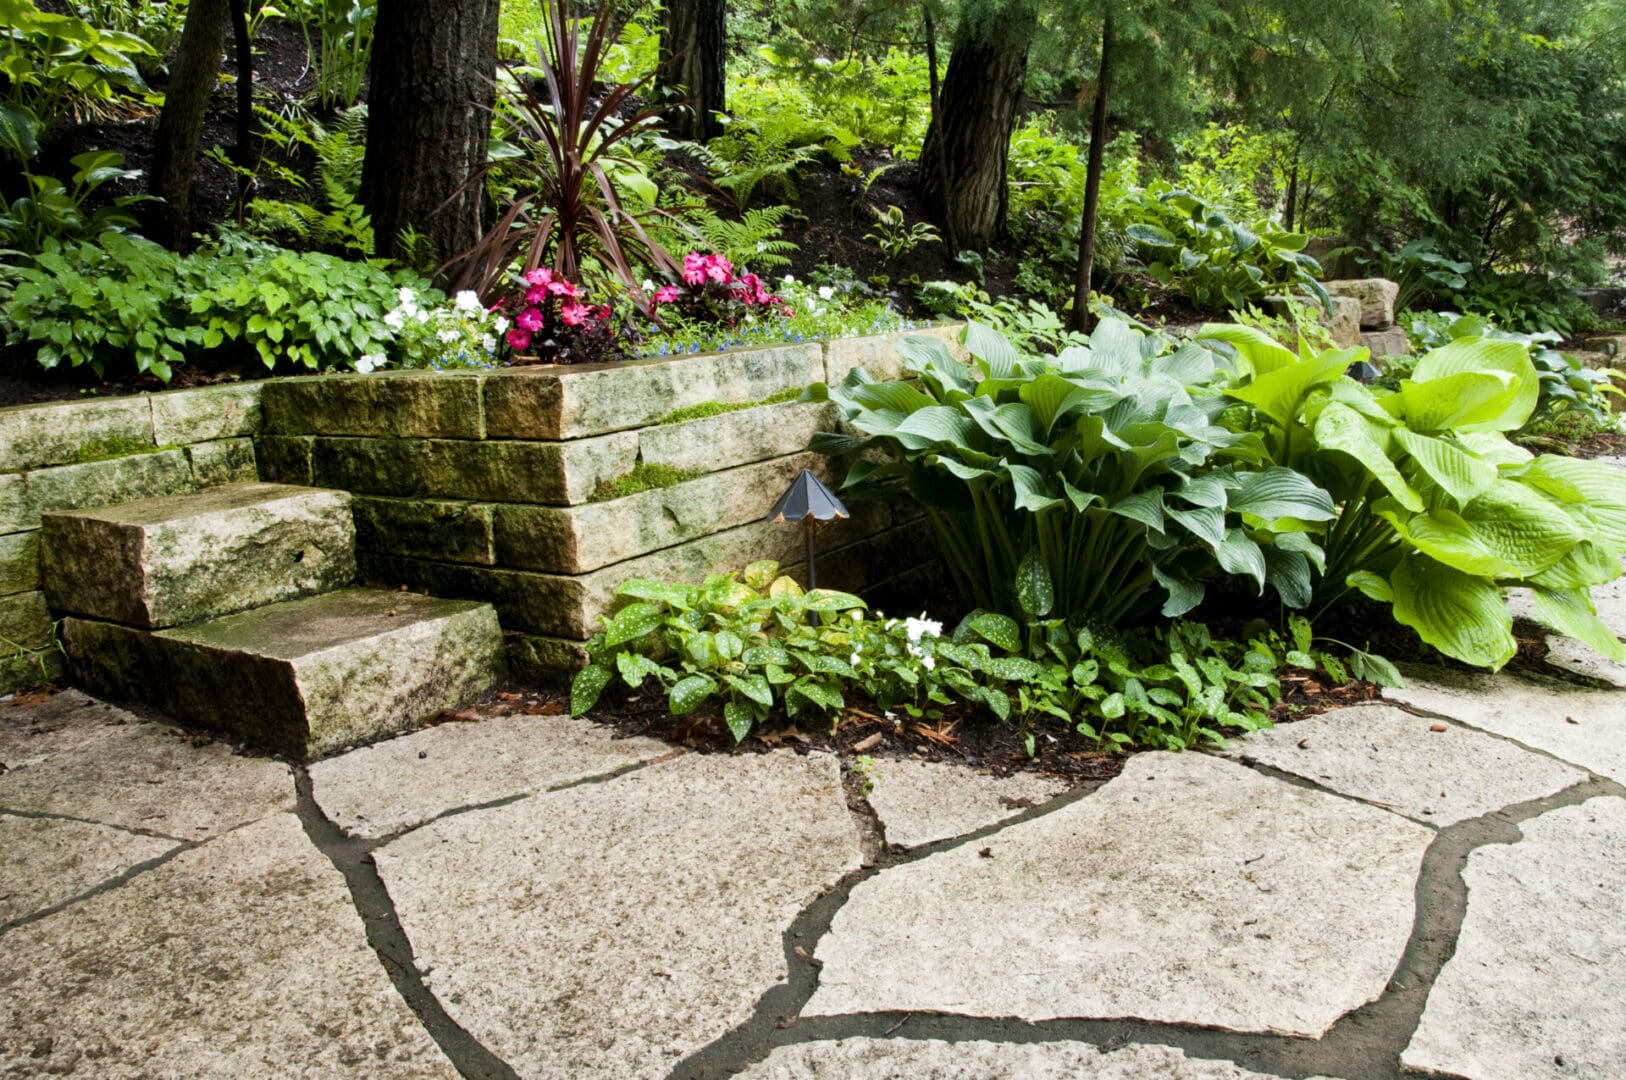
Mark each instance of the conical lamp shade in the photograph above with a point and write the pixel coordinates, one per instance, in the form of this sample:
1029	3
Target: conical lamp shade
807	497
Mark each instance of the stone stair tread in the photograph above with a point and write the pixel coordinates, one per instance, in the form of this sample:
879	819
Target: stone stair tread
179	559
300	628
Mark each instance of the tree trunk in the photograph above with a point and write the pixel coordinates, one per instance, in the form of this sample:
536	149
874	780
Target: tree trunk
962	161
936	114
430	95
1092	184
1292	197
247	153
693	64
180	124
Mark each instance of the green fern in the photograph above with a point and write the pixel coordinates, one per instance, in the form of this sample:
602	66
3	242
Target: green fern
340	223
765	153
753	241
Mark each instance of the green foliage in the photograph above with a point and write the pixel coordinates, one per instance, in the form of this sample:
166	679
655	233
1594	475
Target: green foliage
156	22
1438	512
643	476
53	66
339	40
1300	322
1524	302
764	155
753	239
1105	463
895	239
1419	269
340	223
52	210
1220	264
882	100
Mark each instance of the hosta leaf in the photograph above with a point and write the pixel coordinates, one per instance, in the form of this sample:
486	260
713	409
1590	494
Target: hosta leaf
1035	594
1494	447
1288	572
1052	398
1240	555
1184	594
688	693
1207	523
1461	474
1279	393
998	356
1033	492
585	688
1526	530
1374	586
630	623
1260	352
1463	616
1582	567
1115	347
1598	489
1570	612
1189	365
1453	401
1145	507
929	427
1508	412
1447	538
1304	545
894	396
1207	490
1000	630
1280	492
1346	431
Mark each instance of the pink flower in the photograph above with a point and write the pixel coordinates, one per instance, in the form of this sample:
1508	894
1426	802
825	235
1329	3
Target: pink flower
539	276
561	287
574	314
529	320
694	268
719	269
536	294
519	339
666	294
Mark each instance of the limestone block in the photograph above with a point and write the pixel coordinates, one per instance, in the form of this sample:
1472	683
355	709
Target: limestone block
1597	361
1385	343
25	622
577	539
570	401
878	354
533	472
306	676
19	562
426	528
23	498
59	433
536	656
1377	297
285	459
207	414
403	403
736	438
1613	345
224	461
173	560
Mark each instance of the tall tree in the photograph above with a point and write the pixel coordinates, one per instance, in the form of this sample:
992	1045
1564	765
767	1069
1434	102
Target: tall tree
430	94
1095	166
694	61
180	125
962	160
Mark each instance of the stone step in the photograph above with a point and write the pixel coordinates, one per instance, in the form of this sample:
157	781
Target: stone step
305	676
179	559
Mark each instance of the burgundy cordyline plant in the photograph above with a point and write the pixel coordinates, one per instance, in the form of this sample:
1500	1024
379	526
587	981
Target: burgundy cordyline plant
573	214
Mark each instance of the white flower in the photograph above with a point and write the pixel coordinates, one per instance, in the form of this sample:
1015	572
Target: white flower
408	298
649	286
826	292
421	315
501	324
488	343
928	662
448	336
890	715
918	628
395	319
790	279
852	660
370	362
467	301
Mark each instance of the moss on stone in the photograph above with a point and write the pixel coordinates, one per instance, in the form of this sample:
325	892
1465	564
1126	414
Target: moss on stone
108	449
642	477
717	408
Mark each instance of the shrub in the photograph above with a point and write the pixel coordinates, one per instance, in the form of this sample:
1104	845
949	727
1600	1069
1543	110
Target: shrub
1103	467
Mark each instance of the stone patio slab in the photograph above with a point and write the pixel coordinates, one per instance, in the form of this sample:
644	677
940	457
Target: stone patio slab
1188	890
922	802
48	860
934	1059
1583	727
79	757
241	958
395	785
1536	987
1394	758
610	929
1567	654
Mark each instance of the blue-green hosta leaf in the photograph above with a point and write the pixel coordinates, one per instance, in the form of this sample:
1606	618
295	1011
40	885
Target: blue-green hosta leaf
1582	567
585	688
1115	347
1151	235
688	693
1453	401
1570	612
1033	491
1260	352
1346	431
1305	545
1081	500
999	357
630	623
1461	474
1461	615
997	629
1035	594
1210	489
635	668
739	719
1597	489
1280	393
1183	593
1145	507
1288	572
19	130
958	469
893	396
1052	398
1207	523
1239	554
933	426
1512	358
1189	365
1281	492
930	358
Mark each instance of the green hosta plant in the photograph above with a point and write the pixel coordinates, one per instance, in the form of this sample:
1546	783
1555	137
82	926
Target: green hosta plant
1104	466
1439	513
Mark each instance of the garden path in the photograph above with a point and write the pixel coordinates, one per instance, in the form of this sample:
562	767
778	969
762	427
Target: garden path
1435	884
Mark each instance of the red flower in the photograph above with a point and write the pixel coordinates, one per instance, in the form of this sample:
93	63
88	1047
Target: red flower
519	339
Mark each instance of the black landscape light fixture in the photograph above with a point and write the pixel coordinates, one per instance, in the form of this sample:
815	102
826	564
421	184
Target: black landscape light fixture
1363	371
807	500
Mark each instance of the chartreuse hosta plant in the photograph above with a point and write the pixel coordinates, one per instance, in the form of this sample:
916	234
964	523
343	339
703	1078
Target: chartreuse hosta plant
1439	513
1105	466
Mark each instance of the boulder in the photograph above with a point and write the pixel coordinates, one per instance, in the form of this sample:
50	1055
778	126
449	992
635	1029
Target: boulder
1377	297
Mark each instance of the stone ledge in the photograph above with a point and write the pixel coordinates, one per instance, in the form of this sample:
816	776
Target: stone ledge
25	496
19	562
207	414
425	528
736	438
536	472
224	461
32	436
400	403
878	354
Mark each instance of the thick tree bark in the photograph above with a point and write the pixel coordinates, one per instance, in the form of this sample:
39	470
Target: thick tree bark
192	80
429	102
693	63
1093	169
962	161
247	152
937	112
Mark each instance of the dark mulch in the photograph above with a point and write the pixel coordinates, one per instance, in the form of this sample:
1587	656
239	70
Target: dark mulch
1607	444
